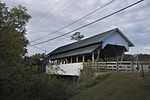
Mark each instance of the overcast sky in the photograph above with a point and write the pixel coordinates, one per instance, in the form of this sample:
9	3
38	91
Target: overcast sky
50	15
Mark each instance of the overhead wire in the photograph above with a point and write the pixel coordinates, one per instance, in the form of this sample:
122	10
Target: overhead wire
60	8
49	10
74	21
60	12
40	48
89	23
70	5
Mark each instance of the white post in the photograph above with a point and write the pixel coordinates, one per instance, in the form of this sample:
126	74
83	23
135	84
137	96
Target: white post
83	58
60	61
117	63
66	60
93	59
76	59
93	56
106	59
71	59
98	55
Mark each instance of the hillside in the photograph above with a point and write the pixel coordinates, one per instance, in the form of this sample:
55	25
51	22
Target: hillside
118	86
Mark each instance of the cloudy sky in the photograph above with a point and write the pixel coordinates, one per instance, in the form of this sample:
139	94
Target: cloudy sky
51	15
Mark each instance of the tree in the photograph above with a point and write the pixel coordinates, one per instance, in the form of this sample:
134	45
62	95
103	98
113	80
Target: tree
77	36
18	78
12	49
36	62
12	31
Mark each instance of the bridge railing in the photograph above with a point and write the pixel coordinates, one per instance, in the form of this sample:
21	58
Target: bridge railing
127	66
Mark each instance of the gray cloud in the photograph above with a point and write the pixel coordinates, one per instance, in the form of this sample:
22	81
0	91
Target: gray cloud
133	22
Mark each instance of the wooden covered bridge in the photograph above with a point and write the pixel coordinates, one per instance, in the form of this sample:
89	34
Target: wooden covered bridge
69	59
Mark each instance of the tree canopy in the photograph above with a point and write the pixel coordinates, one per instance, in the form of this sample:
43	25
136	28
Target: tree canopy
12	32
19	75
12	48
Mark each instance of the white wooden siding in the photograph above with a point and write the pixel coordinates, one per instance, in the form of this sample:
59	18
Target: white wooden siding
72	69
115	39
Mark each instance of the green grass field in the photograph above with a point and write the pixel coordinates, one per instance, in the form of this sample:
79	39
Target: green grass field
118	86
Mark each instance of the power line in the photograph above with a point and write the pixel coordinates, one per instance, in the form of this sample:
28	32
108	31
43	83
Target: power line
60	12
70	5
52	16
89	23
40	48
55	5
74	21
62	8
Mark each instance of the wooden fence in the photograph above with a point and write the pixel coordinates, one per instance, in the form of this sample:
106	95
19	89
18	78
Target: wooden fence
127	66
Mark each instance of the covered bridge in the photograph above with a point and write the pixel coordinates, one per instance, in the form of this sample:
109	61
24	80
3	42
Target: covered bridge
70	57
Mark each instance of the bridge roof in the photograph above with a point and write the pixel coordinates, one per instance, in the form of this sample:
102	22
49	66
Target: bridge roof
77	47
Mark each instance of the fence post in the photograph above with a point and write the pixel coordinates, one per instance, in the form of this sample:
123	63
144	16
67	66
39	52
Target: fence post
142	70
117	66
131	66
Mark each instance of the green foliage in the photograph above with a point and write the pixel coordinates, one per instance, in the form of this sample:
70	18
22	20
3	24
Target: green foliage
118	86
144	57
128	57
39	87
12	30
80	87
19	75
87	72
102	77
35	62
44	87
14	75
87	79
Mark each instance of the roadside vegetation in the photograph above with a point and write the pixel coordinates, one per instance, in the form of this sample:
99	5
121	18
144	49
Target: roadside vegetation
117	86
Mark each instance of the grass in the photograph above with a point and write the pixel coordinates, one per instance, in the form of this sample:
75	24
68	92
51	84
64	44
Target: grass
117	86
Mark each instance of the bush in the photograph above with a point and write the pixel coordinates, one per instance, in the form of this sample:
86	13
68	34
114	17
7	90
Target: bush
87	72
83	85
38	87
45	87
102	77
